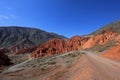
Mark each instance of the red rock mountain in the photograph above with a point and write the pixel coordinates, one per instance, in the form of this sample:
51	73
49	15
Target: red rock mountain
21	39
58	46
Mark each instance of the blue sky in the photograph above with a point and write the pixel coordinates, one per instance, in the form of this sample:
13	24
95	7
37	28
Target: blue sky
65	17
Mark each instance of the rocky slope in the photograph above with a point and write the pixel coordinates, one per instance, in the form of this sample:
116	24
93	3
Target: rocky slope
104	36
57	46
115	26
21	39
113	52
21	49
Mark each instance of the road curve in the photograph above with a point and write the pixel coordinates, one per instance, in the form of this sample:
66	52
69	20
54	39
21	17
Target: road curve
108	69
92	67
88	67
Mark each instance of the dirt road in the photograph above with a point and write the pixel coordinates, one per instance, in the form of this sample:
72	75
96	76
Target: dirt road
92	67
87	67
108	69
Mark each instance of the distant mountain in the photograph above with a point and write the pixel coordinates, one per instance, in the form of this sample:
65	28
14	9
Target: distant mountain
14	35
115	26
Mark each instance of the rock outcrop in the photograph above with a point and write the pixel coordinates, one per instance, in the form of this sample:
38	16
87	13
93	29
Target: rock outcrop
19	40
52	47
105	36
75	43
57	46
21	49
100	39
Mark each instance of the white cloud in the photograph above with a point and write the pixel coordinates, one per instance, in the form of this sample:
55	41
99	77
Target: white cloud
7	17
2	17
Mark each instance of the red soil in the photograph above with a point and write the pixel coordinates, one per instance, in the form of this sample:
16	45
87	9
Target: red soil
113	53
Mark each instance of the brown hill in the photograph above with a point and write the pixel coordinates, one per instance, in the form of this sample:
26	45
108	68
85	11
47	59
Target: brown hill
115	26
57	46
101	37
15	35
22	39
53	46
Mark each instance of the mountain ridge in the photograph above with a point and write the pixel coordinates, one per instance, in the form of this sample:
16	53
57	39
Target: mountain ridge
115	26
13	35
100	38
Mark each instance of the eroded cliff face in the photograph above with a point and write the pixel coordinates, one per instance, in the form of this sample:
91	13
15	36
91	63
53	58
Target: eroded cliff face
21	49
113	52
90	43
58	46
52	47
105	36
75	43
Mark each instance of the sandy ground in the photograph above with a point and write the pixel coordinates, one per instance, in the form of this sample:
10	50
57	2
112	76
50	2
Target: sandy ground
91	67
88	67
